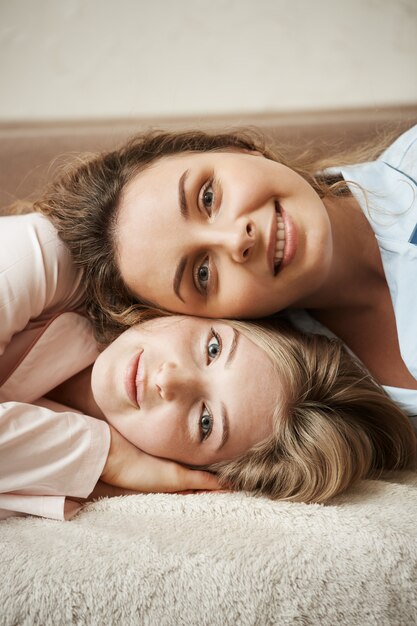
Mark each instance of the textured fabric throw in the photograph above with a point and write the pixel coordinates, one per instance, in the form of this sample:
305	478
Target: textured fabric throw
218	559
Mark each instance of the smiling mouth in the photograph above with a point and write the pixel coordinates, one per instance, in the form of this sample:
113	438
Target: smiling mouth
280	240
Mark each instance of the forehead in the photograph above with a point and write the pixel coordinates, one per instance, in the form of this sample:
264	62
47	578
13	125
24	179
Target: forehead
255	366
152	196
149	232
176	325
254	395
168	168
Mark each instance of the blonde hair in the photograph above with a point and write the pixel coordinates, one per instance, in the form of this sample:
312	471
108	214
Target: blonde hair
82	203
334	426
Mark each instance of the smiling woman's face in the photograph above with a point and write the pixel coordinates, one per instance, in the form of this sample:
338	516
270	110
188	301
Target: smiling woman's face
222	234
187	389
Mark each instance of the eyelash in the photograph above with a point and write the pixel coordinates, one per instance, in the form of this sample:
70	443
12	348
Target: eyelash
209	184
214	335
202	285
205	411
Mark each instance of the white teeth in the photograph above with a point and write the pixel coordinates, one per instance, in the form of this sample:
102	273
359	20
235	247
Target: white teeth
280	244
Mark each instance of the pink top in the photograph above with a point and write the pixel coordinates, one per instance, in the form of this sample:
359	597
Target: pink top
47	452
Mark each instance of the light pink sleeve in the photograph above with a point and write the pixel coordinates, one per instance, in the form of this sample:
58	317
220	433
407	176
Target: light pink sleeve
47	455
37	277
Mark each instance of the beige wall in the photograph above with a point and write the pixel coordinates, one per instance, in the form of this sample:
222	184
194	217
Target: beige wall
102	58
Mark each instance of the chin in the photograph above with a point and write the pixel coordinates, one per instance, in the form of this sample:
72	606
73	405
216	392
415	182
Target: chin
99	390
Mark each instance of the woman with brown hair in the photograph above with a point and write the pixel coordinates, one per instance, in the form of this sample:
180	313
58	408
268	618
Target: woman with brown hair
304	421
219	225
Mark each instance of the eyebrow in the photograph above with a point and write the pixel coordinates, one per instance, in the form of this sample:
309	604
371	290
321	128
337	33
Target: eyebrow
179	273
182	198
225	422
185	214
232	349
224	414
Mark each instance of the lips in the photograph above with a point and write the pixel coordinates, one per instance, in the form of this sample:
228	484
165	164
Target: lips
133	379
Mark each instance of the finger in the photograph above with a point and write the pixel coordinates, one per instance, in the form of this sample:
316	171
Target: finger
197	479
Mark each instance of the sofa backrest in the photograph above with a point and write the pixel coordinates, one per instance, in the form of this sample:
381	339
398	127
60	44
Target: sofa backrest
29	153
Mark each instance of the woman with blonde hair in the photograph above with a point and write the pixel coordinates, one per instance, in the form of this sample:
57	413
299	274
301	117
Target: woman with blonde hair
267	408
262	407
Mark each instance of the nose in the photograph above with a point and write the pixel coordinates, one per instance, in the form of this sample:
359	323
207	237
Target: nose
239	240
171	380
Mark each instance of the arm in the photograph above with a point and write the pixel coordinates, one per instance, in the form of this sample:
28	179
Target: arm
47	455
38	280
50	458
37	277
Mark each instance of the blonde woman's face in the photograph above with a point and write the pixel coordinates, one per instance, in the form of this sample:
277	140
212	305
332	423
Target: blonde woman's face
188	389
222	234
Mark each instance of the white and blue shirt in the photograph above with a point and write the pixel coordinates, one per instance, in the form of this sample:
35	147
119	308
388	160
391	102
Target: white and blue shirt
386	190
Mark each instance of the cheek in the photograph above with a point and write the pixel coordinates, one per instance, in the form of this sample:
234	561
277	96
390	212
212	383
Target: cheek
154	432
244	295
128	424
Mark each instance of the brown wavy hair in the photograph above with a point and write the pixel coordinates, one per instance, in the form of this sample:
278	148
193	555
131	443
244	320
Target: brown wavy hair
82	202
333	426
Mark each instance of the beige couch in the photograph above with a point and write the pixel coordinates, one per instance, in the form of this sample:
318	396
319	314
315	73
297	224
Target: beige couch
28	151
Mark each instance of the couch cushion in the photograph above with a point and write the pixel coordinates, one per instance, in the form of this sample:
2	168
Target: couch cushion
29	153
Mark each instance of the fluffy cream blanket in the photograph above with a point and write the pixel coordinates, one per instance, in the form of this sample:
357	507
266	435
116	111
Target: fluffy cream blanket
218	559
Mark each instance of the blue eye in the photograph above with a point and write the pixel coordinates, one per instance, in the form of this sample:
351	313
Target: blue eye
206	423
214	346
